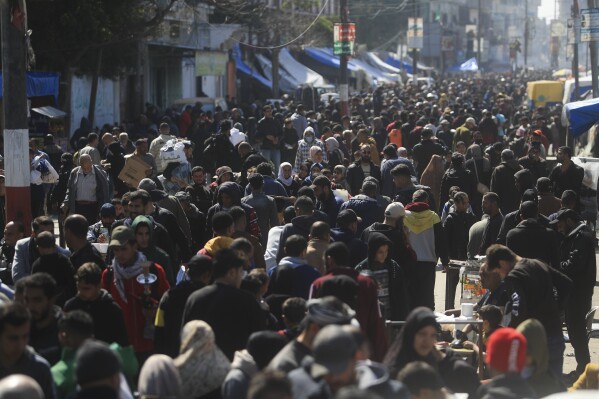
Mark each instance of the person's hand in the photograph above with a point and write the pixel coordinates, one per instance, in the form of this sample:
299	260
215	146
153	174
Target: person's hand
102	239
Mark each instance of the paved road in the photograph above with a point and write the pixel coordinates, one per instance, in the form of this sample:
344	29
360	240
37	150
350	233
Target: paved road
569	361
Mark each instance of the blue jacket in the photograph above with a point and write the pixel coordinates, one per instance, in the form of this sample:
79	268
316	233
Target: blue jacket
387	186
367	208
331	207
358	250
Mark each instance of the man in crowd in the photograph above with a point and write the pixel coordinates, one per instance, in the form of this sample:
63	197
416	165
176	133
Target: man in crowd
269	132
531	285
362	168
567	175
13	232
87	190
232	313
579	264
16	357
158	143
75	232
91	149
26	250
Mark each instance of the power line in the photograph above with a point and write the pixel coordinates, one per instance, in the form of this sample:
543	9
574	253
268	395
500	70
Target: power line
289	42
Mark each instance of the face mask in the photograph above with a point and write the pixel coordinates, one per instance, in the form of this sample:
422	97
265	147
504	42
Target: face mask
309	139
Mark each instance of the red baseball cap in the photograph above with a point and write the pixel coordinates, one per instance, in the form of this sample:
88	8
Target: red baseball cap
506	351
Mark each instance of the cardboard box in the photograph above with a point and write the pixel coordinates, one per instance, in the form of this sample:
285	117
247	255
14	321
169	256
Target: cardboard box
133	171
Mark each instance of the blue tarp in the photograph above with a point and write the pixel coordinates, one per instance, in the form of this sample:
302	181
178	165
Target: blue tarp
40	84
326	57
244	68
582	115
468	66
400	64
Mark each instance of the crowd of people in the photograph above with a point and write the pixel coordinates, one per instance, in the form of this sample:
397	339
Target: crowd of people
263	248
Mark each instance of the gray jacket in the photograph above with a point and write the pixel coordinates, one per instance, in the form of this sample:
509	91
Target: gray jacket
25	255
102	192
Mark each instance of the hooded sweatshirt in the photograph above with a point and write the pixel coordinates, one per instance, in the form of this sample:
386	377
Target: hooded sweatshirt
303	275
425	233
214	245
389	277
243	368
152	252
235	192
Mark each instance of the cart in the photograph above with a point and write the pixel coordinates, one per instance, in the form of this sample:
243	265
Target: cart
471	289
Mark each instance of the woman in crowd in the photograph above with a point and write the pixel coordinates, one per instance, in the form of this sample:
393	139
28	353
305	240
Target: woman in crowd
417	342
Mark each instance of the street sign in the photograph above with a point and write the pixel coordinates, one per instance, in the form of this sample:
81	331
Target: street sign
415	32
343	48
573	30
589	25
344	38
557	28
344	32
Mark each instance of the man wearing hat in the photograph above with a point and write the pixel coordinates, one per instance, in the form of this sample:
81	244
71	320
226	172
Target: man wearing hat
137	300
334	352
506	357
321	313
531	286
158	143
327	200
577	262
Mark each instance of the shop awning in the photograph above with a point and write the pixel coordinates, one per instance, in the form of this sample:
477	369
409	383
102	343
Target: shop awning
40	84
581	116
246	70
50	112
330	60
302	73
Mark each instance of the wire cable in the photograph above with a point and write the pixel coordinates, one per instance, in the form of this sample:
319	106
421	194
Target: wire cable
289	42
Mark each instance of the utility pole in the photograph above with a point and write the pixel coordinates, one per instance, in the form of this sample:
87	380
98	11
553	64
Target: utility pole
593	49
478	28
343	85
526	33
575	17
414	49
14	93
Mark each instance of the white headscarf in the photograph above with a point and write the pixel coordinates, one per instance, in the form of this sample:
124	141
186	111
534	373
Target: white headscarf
281	177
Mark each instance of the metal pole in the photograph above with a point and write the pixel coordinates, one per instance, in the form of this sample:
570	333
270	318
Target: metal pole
478	28
575	61
414	50
526	33
16	131
343	81
593	51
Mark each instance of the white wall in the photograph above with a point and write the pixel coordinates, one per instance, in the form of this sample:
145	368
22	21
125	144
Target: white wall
107	101
188	78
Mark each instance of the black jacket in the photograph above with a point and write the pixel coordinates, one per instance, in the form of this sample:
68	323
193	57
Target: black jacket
460	177
167	333
86	254
530	285
458	375
60	268
168	219
358	250
201	197
456	227
530	239
571	179
109	323
578	261
503	183
367	208
506	386
424	151
400	251
299	225
232	313
355	176
491	232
